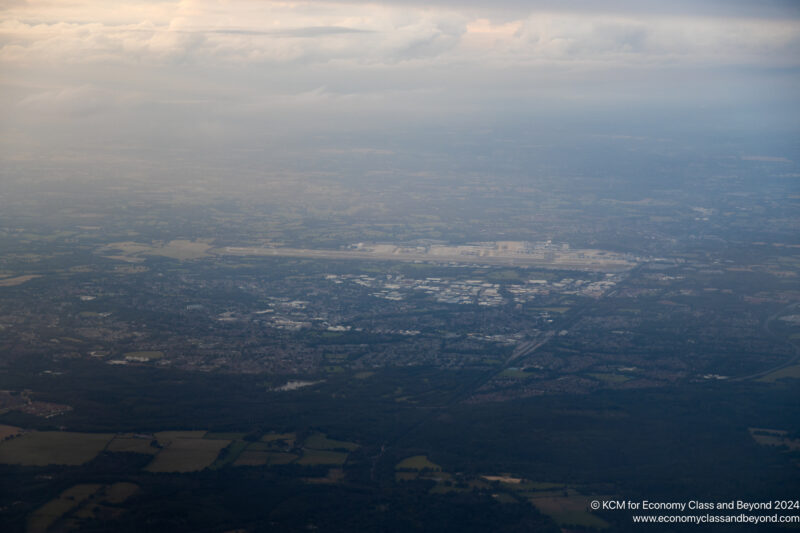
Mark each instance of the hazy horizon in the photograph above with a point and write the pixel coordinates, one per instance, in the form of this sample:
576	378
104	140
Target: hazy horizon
274	85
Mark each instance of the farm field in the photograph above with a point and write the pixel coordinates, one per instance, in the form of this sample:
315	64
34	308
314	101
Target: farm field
255	457
318	441
8	431
131	443
81	502
289	438
42	448
165	437
322	457
229	454
417	462
185	452
46	516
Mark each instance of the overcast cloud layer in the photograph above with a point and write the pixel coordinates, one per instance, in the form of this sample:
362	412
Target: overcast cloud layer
139	73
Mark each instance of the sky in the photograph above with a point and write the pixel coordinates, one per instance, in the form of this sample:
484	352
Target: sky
86	79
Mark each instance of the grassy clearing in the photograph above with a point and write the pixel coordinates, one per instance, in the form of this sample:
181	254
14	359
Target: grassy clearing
280	458
47	515
182	250
516	373
229	454
42	448
263	446
319	441
252	458
322	457
279	439
99	502
504	275
129	443
186	454
335	475
363	375
447	483
165	437
417	462
790	372
8	431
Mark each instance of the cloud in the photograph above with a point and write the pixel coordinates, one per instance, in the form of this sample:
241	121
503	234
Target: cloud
80	101
212	33
242	68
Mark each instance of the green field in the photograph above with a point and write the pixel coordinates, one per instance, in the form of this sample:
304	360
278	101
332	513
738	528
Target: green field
184	454
277	439
417	462
47	515
322	457
8	431
261	458
129	443
42	448
99	502
230	454
319	441
165	437
504	275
